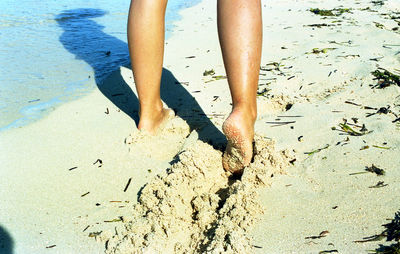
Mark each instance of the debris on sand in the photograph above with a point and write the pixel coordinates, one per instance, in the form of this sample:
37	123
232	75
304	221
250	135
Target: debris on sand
376	170
333	12
391	233
385	78
209	72
346	129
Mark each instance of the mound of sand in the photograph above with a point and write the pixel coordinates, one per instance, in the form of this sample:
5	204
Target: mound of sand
196	206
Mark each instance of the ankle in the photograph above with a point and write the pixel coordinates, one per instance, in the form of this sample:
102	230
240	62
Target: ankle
247	111
150	111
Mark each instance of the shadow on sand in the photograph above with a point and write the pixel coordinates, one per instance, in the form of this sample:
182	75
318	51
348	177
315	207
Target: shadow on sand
85	39
6	242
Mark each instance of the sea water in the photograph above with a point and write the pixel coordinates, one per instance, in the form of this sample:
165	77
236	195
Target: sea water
54	51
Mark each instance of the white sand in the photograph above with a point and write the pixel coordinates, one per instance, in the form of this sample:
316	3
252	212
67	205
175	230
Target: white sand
195	206
40	198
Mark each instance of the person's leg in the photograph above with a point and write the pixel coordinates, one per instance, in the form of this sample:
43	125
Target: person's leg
146	48
240	34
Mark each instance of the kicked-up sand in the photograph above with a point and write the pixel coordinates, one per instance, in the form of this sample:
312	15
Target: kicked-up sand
195	206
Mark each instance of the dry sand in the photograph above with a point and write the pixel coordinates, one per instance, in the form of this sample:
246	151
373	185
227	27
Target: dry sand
84	172
195	206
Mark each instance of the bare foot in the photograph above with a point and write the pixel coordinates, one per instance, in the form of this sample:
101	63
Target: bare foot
239	131
154	123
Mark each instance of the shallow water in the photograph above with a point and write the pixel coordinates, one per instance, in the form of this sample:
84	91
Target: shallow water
56	51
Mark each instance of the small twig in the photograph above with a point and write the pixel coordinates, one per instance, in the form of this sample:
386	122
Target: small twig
114	220
127	185
368	107
317	150
376	58
347	56
381	147
328	251
357	173
281	123
322	234
85	194
352	103
372	238
380	184
393	45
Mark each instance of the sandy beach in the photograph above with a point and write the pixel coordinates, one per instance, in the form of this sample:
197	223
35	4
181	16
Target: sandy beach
325	174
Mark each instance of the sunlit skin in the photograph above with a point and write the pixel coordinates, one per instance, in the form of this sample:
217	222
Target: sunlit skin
240	36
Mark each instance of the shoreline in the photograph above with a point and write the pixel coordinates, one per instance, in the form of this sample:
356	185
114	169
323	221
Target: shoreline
49	87
81	169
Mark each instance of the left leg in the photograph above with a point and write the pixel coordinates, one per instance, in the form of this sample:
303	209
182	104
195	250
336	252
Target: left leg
146	48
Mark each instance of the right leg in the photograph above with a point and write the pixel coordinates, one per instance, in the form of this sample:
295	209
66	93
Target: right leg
146	48
240	34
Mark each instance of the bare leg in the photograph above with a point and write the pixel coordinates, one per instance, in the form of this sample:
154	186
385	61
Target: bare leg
240	34
146	48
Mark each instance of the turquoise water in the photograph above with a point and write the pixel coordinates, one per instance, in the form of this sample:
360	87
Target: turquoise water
56	51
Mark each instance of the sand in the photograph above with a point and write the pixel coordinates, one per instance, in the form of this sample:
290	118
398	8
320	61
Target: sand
85	180
196	206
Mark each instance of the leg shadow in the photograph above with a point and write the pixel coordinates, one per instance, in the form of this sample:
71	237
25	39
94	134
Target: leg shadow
6	242
186	107
84	38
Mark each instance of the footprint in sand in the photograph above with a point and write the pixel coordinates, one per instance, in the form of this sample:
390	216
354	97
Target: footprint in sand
161	147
